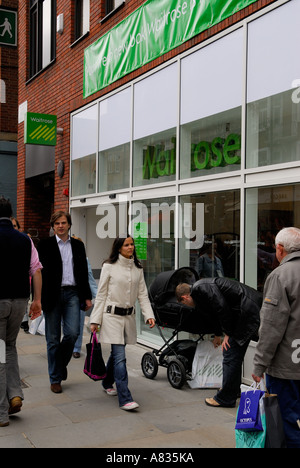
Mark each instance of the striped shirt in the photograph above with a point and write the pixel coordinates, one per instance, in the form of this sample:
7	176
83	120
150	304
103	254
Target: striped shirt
67	262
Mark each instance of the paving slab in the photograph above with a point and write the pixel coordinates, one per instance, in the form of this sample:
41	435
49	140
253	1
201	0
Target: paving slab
83	416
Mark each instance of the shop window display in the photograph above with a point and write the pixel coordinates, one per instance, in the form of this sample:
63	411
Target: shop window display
268	210
217	253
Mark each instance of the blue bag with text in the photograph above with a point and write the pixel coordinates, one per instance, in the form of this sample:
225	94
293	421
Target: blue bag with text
249	415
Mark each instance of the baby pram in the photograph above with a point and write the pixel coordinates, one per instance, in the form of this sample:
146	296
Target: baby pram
177	356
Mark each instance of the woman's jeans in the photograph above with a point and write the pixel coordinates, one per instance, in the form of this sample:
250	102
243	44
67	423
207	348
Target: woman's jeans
117	372
66	312
232	373
11	315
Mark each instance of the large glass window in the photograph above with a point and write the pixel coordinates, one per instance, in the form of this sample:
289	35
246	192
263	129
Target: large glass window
42	34
268	210
114	143
155	122
159	215
84	150
211	108
273	115
214	223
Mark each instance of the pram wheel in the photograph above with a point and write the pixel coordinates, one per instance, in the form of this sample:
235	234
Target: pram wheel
176	373
149	365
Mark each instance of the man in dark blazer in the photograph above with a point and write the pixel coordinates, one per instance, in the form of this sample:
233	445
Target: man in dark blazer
65	291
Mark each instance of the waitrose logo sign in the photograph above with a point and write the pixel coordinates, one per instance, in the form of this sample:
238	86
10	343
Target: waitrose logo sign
159	161
155	28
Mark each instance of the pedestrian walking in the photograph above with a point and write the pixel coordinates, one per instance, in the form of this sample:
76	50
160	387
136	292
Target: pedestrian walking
225	307
121	284
278	349
19	262
65	291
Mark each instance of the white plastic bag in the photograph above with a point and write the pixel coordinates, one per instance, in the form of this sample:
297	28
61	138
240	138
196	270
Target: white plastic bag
37	326
207	370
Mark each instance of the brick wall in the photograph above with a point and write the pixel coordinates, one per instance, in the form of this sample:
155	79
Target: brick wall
59	88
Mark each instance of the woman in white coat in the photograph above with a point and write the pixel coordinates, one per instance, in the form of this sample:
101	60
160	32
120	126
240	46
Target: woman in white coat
121	284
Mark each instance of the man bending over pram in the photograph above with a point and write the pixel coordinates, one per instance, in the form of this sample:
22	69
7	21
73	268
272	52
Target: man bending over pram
232	308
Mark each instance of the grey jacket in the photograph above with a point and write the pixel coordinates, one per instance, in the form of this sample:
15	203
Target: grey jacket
278	349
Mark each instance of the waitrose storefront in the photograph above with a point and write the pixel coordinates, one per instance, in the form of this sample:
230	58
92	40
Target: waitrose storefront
202	152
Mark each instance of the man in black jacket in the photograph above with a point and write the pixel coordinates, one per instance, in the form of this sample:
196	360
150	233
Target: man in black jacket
65	291
19	262
231	308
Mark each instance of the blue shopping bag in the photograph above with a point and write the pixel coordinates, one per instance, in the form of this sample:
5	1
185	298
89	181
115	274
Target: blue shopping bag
249	416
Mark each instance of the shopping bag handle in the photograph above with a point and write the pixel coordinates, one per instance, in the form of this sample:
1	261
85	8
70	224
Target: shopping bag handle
93	337
258	386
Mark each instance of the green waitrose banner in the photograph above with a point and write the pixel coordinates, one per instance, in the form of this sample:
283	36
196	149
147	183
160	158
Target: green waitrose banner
155	28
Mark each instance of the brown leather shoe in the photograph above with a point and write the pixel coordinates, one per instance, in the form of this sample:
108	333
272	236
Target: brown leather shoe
15	405
56	388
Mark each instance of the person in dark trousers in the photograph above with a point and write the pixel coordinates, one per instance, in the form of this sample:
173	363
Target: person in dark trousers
278	349
231	308
19	262
65	291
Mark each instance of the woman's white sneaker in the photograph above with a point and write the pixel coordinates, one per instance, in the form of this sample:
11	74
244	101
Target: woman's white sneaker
130	406
111	391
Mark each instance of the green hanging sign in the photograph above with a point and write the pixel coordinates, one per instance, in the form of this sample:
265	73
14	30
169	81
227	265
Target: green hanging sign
155	28
40	129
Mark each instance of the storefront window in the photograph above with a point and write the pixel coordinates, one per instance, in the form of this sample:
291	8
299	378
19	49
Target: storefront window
268	210
155	122
273	115
114	141
84	150
215	250
159	215
211	145
155	158
211	113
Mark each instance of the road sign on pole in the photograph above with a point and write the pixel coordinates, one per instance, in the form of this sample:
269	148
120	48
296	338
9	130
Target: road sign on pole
8	27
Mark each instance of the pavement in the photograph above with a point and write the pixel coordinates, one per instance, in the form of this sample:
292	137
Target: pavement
83	416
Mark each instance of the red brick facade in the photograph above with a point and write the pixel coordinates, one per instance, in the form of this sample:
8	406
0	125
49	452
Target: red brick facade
58	90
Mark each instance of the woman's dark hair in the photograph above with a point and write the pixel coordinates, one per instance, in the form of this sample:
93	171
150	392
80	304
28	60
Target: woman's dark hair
115	251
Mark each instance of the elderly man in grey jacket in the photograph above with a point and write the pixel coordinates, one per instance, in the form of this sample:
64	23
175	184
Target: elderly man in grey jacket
278	348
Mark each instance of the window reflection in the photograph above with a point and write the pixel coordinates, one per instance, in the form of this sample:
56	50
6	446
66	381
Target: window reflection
268	210
219	252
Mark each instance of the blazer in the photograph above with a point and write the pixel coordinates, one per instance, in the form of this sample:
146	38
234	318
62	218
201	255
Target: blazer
50	258
121	284
15	254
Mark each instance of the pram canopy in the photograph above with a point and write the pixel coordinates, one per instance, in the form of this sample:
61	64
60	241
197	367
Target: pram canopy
168	311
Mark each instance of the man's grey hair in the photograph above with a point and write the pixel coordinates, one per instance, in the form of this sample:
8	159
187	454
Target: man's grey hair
289	238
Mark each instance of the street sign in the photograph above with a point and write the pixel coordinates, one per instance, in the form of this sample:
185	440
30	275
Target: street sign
40	129
8	27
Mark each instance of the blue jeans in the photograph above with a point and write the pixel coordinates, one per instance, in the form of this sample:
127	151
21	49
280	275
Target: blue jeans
288	394
117	372
232	373
78	344
66	311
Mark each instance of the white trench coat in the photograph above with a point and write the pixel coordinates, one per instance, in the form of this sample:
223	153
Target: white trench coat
121	284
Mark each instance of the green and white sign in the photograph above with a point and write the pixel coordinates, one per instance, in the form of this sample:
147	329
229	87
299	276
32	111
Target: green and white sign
8	27
140	240
155	28
40	129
